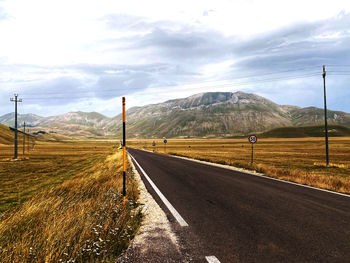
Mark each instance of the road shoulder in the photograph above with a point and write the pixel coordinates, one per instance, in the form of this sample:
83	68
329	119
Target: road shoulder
155	241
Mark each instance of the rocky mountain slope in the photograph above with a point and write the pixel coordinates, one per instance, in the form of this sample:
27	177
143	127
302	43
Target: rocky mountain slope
220	114
75	124
209	114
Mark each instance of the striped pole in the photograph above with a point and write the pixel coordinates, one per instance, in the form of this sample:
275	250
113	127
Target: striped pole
124	152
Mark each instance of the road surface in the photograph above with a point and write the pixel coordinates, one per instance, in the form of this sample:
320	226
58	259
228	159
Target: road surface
238	217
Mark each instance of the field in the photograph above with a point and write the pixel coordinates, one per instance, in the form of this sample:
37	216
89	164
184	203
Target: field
299	160
63	203
45	165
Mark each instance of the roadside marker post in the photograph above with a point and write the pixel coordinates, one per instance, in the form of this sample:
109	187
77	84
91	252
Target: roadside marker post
124	152
252	139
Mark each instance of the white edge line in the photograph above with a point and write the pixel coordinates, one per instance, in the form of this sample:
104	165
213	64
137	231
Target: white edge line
176	214
258	175
212	259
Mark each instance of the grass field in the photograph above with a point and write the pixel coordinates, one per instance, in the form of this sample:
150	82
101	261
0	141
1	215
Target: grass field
299	160
48	164
63	204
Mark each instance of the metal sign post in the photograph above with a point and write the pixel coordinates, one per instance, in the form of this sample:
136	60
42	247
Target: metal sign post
252	139
165	142
154	145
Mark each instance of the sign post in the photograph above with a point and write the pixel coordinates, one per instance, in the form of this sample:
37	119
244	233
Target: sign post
165	142
252	139
154	145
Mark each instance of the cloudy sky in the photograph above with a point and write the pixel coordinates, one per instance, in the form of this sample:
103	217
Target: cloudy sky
66	55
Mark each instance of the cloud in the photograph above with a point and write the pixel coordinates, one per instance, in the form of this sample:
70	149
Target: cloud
162	54
183	46
53	92
126	22
324	40
116	85
3	14
316	42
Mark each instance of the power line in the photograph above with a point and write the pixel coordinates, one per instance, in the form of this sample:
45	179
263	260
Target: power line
182	86
187	83
334	65
235	82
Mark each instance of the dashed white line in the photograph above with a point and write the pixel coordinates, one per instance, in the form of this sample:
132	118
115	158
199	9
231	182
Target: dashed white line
176	214
212	259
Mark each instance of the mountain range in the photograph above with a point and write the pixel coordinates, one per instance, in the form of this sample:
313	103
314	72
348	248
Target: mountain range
211	114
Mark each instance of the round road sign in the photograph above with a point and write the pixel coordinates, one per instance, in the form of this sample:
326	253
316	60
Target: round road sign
154	143
165	141
252	138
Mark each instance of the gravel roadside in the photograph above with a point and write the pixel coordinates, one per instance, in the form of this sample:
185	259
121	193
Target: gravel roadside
155	242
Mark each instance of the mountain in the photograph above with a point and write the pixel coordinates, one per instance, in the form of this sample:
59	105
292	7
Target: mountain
82	124
74	124
211	114
221	114
306	131
313	115
31	119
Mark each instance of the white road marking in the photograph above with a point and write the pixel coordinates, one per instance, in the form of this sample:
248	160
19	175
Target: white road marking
176	214
212	259
258	175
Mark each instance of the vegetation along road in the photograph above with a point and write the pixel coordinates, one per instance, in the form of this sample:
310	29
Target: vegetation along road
238	217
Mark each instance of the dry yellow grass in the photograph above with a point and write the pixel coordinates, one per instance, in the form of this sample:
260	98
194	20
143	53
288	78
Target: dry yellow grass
48	164
80	220
299	160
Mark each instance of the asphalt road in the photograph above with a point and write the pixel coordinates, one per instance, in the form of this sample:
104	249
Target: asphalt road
238	217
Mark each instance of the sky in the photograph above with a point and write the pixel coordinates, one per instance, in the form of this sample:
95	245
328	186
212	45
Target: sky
62	56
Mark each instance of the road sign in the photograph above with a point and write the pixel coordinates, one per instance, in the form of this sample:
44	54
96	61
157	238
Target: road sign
154	143
252	138
165	141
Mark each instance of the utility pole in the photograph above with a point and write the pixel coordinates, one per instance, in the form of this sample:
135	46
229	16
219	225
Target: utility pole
24	137
16	145
28	141
124	151
325	114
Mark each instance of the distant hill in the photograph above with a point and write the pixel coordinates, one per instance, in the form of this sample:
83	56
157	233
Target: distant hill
71	124
211	114
220	114
30	119
6	135
306	131
313	115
